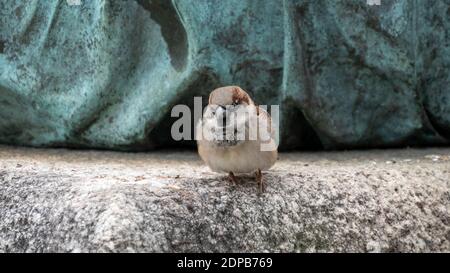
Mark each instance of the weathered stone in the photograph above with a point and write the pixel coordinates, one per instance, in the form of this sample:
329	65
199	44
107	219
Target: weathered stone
106	74
71	201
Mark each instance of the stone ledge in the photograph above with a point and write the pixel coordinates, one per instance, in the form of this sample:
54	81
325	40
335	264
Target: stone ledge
72	201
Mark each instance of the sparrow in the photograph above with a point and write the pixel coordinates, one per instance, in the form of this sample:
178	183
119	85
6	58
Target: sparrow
235	136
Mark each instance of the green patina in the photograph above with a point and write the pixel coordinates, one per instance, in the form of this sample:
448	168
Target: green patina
105	74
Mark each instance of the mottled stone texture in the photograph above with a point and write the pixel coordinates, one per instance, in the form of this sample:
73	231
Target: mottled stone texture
78	201
105	74
370	75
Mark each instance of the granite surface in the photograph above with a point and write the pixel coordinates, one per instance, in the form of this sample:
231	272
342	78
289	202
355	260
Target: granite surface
360	201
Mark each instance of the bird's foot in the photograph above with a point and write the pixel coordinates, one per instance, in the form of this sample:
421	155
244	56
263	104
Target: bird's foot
260	181
232	178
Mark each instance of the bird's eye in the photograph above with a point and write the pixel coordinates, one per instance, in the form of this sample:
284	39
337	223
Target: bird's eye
235	103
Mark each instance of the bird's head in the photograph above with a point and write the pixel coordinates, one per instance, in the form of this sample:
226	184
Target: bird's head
226	117
230	96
